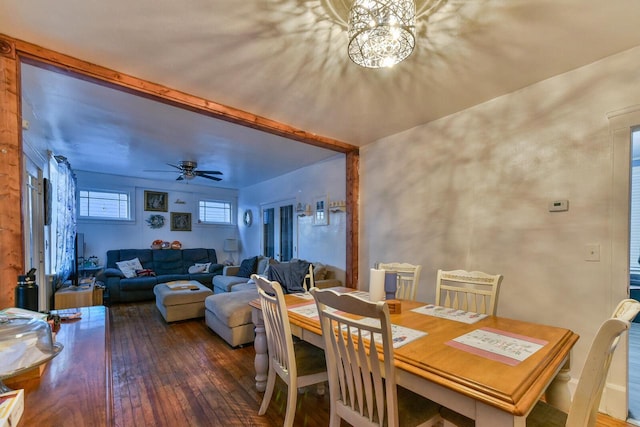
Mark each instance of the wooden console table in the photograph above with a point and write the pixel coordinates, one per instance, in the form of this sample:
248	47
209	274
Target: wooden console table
76	296
75	388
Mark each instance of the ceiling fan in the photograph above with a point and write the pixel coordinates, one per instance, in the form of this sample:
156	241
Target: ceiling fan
189	170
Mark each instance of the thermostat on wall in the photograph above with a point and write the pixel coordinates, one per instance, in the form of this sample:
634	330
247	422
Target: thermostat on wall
559	206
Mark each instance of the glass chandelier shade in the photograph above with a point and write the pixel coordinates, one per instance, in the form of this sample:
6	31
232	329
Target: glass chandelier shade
381	32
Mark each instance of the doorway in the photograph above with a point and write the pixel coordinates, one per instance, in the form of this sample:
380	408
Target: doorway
279	231
34	229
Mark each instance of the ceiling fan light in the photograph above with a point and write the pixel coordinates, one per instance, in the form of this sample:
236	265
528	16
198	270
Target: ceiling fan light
382	32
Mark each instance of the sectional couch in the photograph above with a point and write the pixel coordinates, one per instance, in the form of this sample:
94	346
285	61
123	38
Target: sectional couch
159	266
227	311
230	281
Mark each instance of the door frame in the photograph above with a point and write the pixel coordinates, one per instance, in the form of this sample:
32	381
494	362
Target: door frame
34	229
621	123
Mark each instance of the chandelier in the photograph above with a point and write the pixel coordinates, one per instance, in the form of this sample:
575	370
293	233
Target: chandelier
381	32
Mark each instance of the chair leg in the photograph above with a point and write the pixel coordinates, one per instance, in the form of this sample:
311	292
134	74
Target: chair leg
268	392
292	399
334	419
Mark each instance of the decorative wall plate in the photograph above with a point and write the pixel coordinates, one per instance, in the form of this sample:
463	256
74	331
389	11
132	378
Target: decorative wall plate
155	221
248	218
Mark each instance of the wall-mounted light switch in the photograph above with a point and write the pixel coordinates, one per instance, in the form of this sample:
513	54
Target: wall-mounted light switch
559	206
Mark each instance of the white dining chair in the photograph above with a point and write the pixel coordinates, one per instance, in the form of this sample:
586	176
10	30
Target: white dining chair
299	364
468	290
586	399
309	281
363	390
408	278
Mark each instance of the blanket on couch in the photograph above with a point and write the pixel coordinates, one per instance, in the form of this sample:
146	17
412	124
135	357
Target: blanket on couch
290	275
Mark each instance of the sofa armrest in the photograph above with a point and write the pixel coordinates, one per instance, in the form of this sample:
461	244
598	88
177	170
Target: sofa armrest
230	270
328	283
216	269
113	272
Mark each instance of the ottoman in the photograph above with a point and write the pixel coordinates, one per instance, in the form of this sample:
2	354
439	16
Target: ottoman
229	315
180	300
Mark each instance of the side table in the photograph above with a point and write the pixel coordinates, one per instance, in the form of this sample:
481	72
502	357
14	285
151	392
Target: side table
98	293
74	296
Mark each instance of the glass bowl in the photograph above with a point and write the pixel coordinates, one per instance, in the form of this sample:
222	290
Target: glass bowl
25	343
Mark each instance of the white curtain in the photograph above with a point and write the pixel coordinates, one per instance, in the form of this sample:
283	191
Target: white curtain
63	219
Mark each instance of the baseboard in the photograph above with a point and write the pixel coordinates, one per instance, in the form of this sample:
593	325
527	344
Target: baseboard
614	401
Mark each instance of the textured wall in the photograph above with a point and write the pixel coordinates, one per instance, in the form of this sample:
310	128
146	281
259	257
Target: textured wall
101	236
326	244
471	191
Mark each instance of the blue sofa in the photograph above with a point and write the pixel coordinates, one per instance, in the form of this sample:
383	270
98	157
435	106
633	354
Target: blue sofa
166	264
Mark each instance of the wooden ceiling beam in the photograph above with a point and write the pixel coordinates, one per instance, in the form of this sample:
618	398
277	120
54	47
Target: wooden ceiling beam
14	51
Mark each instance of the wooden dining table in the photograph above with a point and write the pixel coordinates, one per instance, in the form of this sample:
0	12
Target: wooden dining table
494	391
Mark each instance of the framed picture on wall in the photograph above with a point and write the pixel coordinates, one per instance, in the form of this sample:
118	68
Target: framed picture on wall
156	201
321	211
180	221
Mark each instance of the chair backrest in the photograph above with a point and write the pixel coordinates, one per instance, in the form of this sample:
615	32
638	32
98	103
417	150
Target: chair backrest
408	278
309	282
278	329
468	290
586	399
627	309
356	386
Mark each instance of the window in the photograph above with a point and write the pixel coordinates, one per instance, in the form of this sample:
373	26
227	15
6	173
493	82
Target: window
104	205
214	212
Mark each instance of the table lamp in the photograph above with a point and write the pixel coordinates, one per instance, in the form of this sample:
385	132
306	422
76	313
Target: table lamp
230	246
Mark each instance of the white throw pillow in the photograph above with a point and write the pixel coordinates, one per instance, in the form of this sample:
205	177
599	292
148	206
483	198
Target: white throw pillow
205	267
129	267
199	268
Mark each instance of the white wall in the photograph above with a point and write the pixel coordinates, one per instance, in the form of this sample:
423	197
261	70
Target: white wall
101	236
325	244
471	191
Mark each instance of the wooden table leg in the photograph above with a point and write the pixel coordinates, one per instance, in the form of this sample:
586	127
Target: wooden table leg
558	394
261	361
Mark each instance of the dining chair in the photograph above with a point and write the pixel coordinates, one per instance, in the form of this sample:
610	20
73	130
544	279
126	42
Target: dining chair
408	278
468	290
309	281
299	364
586	399
363	389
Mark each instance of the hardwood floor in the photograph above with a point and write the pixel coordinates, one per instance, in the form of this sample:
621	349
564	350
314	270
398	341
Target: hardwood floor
184	374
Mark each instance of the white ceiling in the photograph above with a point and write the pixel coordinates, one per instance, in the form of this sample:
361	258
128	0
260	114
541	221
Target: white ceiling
99	129
286	60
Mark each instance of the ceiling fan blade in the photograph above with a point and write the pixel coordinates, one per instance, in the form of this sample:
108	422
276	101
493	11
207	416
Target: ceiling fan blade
150	170
215	178
198	172
188	168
